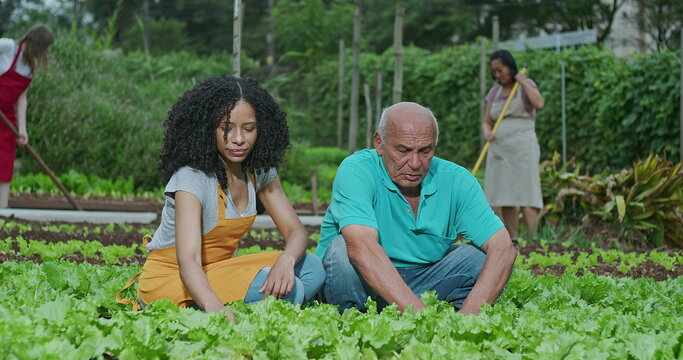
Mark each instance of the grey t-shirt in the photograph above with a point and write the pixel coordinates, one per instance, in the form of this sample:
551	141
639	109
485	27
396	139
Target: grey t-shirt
8	49
205	188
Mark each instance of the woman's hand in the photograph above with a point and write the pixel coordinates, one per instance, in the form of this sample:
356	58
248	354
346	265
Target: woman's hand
22	138
229	315
280	279
489	136
521	78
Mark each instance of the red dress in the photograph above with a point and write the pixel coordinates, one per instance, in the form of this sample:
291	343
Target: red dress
12	85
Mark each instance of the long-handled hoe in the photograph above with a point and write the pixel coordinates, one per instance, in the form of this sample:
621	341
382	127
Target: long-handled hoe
495	127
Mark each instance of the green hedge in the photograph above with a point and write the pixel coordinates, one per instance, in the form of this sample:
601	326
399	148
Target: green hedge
100	113
618	110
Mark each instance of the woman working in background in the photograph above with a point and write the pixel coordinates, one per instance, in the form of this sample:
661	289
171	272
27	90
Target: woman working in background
18	62
512	174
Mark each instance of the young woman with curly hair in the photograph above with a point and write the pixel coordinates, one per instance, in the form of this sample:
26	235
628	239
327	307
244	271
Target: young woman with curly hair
19	61
224	140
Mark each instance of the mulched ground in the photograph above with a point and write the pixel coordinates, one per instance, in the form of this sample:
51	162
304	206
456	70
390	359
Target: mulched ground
119	236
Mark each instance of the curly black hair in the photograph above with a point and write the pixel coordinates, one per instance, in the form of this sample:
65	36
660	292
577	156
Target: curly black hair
190	129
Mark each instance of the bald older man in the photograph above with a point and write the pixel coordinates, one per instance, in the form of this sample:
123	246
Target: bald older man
396	211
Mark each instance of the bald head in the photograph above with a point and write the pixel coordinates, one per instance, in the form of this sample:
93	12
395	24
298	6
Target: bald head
407	116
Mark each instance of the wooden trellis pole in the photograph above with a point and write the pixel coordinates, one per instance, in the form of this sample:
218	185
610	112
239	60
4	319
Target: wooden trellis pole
355	80
368	114
378	97
496	32
236	37
340	96
482	85
398	53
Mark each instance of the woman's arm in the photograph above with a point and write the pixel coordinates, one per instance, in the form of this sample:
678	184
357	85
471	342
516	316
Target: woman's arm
535	97
280	280
487	123
21	105
188	235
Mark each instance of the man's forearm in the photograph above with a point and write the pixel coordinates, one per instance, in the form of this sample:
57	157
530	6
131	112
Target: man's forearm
492	278
379	273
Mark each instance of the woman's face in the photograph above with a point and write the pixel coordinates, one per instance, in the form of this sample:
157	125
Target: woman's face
500	72
236	136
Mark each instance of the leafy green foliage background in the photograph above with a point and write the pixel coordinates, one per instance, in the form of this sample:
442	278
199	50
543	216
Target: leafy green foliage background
618	110
101	113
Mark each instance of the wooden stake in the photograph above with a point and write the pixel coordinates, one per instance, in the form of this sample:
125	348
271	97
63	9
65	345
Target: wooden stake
482	85
496	32
314	191
41	163
355	80
236	38
398	53
340	96
368	115
378	98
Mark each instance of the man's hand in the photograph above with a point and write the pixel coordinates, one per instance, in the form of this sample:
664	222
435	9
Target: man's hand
500	256
375	267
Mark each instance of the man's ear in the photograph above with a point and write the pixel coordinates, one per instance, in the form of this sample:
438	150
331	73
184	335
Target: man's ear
378	143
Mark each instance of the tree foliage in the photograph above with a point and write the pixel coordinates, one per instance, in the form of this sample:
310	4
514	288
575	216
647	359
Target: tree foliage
609	101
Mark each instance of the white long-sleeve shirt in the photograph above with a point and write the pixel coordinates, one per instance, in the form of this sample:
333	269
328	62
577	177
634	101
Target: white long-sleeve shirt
8	48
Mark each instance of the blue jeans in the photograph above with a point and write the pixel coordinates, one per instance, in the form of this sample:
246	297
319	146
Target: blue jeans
451	277
309	277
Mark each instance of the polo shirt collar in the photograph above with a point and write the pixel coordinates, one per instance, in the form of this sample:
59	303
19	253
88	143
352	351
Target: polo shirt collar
428	186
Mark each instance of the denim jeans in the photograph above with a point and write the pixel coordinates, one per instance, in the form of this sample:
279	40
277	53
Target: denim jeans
309	277
451	277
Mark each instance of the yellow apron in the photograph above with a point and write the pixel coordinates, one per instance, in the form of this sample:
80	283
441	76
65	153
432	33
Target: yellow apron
228	276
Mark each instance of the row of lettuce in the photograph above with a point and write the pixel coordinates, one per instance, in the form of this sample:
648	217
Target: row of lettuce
82	244
69	309
643	201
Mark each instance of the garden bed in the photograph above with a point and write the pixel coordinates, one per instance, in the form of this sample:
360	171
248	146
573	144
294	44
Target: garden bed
130	234
103	203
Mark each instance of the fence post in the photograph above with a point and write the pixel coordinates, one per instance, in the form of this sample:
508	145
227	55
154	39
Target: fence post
314	191
378	98
236	38
355	80
368	114
482	86
340	96
496	32
398	53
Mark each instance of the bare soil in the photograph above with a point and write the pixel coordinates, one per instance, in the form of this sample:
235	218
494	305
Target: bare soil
119	236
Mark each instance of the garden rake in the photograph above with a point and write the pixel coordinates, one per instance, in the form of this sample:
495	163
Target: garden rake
41	163
495	127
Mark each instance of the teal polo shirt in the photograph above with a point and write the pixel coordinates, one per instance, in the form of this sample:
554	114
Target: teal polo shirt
451	202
